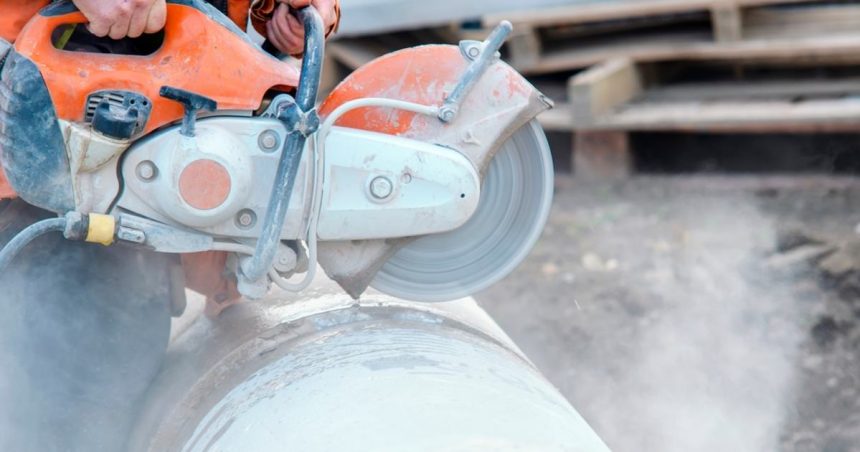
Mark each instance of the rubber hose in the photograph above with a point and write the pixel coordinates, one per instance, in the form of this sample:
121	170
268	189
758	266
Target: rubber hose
35	230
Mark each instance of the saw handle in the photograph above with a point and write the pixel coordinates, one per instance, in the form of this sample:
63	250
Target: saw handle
312	62
257	267
192	103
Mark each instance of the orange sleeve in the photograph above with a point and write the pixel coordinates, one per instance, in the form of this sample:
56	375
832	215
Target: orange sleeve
6	191
237	11
14	14
205	274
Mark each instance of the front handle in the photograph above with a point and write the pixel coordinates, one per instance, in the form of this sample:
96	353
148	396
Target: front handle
256	267
306	95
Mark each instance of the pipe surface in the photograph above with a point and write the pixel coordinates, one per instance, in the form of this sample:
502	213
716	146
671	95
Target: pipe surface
327	373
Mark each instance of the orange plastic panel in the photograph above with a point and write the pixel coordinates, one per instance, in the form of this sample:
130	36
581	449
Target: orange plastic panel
420	74
426	75
198	55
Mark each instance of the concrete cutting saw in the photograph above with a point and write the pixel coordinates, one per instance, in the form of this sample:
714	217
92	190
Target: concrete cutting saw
424	174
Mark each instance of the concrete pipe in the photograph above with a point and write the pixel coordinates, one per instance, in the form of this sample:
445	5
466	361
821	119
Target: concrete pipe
330	374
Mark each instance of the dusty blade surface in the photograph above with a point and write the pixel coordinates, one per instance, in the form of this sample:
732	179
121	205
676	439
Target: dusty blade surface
515	203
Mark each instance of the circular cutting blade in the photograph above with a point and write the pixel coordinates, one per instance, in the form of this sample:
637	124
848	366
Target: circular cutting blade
516	196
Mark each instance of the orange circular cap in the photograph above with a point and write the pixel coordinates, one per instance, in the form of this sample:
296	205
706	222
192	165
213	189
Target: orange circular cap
204	184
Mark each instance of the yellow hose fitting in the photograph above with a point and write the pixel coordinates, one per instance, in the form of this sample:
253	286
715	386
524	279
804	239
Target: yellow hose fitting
101	229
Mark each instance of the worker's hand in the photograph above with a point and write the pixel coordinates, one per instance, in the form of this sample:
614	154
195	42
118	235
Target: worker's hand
123	18
285	30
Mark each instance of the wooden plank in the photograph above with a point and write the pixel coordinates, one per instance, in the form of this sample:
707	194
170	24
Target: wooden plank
746	29
597	91
812	105
639	48
822	115
692	117
558	119
524	47
726	22
805	21
332	73
595	11
600	10
354	53
602	156
767	90
698	46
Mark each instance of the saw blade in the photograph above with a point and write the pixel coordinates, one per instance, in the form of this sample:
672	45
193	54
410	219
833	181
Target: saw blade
516	197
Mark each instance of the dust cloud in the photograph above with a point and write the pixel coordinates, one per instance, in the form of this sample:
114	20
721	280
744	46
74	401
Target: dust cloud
709	365
82	332
658	309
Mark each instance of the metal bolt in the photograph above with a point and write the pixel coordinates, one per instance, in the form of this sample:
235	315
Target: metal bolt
381	187
246	219
447	114
285	260
146	170
269	141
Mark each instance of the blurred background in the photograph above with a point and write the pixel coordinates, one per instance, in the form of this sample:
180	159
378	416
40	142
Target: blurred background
697	286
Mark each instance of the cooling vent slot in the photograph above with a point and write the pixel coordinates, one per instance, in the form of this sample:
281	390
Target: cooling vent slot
124	99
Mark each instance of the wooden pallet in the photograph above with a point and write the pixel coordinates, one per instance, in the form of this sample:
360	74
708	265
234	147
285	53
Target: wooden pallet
583	34
580	35
610	100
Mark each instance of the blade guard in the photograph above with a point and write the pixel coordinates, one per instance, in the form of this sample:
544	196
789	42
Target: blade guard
500	102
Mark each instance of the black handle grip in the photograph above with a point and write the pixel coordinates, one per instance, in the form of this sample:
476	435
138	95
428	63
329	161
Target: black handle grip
192	103
188	99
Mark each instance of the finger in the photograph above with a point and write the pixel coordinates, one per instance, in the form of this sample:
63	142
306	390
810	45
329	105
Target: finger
137	24
99	27
294	25
157	17
275	37
295	35
326	10
299	3
281	19
98	23
119	29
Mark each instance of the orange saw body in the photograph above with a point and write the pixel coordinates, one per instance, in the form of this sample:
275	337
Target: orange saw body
195	140
193	55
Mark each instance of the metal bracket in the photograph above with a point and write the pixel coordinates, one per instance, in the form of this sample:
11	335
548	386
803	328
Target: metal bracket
482	55
472	49
160	237
285	109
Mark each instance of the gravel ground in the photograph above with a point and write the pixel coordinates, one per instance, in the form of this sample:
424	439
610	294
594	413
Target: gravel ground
698	313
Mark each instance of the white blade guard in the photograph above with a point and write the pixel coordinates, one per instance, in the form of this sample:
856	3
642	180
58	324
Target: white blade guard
494	128
516	197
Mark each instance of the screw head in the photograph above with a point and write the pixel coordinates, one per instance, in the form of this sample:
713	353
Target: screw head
381	187
146	170
246	219
447	114
474	51
269	141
